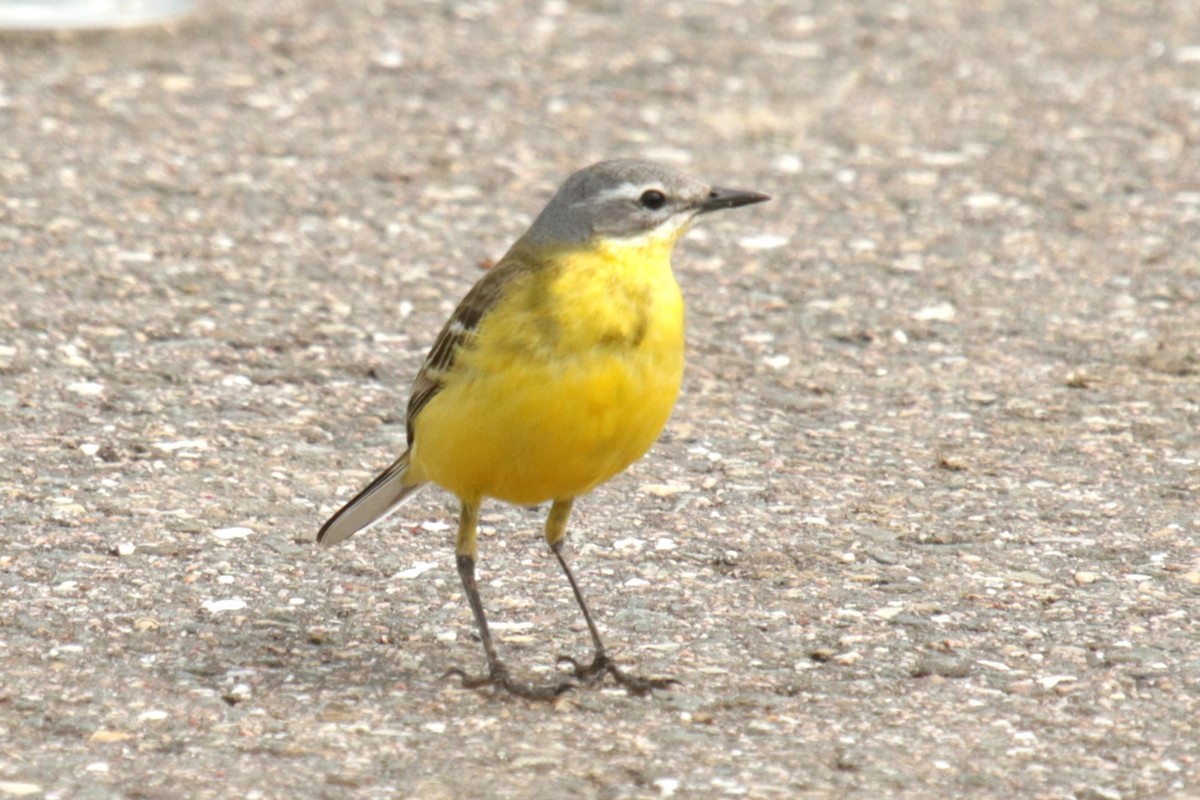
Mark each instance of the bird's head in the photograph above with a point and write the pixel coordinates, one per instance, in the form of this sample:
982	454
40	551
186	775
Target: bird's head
630	203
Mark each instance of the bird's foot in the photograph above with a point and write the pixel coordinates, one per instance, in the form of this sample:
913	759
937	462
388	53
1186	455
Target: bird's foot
603	664
500	681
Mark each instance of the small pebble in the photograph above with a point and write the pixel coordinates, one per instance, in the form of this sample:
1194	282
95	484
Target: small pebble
416	570
777	362
86	389
889	612
822	654
218	606
664	489
1051	681
232	533
940	312
666	786
764	241
983	201
238	693
943	666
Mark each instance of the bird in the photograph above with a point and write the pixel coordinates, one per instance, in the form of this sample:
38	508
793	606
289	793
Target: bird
557	370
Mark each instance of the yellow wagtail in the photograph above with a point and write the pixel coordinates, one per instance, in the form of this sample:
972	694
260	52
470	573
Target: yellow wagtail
557	371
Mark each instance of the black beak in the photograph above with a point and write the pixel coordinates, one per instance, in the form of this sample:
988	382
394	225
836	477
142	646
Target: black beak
719	198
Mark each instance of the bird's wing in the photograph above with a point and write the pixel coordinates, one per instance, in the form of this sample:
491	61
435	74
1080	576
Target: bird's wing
394	486
461	329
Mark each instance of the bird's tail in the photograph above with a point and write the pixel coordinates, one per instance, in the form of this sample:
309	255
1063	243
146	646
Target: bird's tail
373	504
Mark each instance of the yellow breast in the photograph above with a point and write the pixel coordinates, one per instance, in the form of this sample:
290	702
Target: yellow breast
570	380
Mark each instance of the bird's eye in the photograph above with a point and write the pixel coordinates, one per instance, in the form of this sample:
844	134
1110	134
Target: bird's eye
652	199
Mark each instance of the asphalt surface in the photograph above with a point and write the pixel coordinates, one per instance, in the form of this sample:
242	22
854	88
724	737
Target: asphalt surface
924	523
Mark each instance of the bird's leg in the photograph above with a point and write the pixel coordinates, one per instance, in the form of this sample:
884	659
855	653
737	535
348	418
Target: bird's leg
497	675
602	662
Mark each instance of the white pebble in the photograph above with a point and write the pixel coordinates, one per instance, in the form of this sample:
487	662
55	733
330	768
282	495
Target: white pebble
940	312
418	569
664	489
944	159
229	604
983	201
666	786
788	163
510	626
765	241
389	59
1188	55
239	693
182	444
1050	681
889	612
232	533
777	362
86	389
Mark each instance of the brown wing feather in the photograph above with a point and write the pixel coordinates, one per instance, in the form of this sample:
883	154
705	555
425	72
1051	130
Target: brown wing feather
391	488
460	330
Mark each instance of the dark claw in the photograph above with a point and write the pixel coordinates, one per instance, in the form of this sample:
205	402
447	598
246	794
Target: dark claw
603	665
500	681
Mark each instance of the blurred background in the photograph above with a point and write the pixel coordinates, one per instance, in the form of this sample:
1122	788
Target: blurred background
65	15
924	521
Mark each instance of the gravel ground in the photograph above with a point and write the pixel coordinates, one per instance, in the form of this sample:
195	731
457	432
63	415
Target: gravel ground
924	524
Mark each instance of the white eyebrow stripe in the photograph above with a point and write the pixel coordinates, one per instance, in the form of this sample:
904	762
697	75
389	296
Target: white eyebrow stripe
625	190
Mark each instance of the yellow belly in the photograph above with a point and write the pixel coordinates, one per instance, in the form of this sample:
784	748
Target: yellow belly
534	415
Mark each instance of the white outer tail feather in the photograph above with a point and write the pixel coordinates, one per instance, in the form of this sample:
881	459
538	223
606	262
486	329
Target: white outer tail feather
372	505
